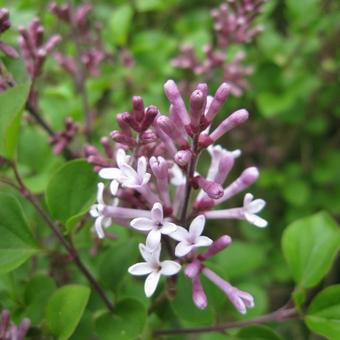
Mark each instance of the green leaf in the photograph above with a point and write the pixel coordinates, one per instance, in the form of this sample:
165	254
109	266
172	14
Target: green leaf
120	24
258	333
12	102
310	245
184	307
16	242
127	321
70	191
65	308
323	315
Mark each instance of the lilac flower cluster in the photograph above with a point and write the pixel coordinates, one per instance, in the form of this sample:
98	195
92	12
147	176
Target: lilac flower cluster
88	42
10	331
233	25
153	172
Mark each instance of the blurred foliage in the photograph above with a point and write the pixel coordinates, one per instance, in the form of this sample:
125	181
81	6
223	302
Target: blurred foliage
293	136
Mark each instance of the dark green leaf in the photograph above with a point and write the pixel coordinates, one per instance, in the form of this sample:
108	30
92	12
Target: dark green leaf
71	190
12	102
258	332
310	245
323	315
65	308
16	242
126	323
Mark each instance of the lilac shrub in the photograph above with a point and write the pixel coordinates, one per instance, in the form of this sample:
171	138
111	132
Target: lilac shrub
152	171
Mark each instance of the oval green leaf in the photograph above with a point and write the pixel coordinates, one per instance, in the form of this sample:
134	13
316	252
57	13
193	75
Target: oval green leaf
323	315
12	102
71	190
126	323
16	242
65	308
310	246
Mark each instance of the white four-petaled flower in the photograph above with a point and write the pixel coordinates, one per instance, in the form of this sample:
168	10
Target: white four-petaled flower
156	225
96	211
251	208
153	267
190	239
125	173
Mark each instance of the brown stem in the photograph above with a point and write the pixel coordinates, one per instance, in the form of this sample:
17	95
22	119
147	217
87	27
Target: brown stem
280	315
32	111
68	246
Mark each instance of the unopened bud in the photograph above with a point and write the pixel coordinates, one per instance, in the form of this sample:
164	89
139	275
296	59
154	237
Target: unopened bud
217	246
183	157
150	114
212	189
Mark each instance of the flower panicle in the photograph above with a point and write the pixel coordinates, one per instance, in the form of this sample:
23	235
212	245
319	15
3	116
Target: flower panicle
152	180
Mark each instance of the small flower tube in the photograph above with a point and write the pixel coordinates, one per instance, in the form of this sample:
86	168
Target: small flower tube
198	295
218	245
220	97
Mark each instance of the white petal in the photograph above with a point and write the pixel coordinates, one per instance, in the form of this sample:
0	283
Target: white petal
110	173
142	223
145	179
141	268
256	220
151	283
94	210
255	206
106	222
157	213
100	193
98	227
203	241
168	228
153	239
114	187
247	298
141	166
121	157
181	234
170	268
145	252
247	199
183	248
197	226
128	172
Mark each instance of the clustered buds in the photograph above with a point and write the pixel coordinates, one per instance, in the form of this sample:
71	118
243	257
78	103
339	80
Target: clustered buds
34	50
10	331
61	140
152	169
5	24
90	50
233	24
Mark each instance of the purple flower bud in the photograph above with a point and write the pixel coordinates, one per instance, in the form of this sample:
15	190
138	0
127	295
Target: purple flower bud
246	179
170	129
150	114
218	245
198	295
220	97
197	106
148	136
204	140
183	157
175	98
131	121
8	50
4	322
121	137
23	329
52	42
235	119
138	108
122	124
193	269
212	189
104	141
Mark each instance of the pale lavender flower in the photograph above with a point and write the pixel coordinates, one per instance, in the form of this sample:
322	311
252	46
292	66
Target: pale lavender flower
153	268
192	238
156	226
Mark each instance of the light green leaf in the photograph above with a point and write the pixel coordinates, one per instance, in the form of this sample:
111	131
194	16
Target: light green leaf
323	315
71	190
310	245
126	322
65	308
258	332
16	242
120	24
12	102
